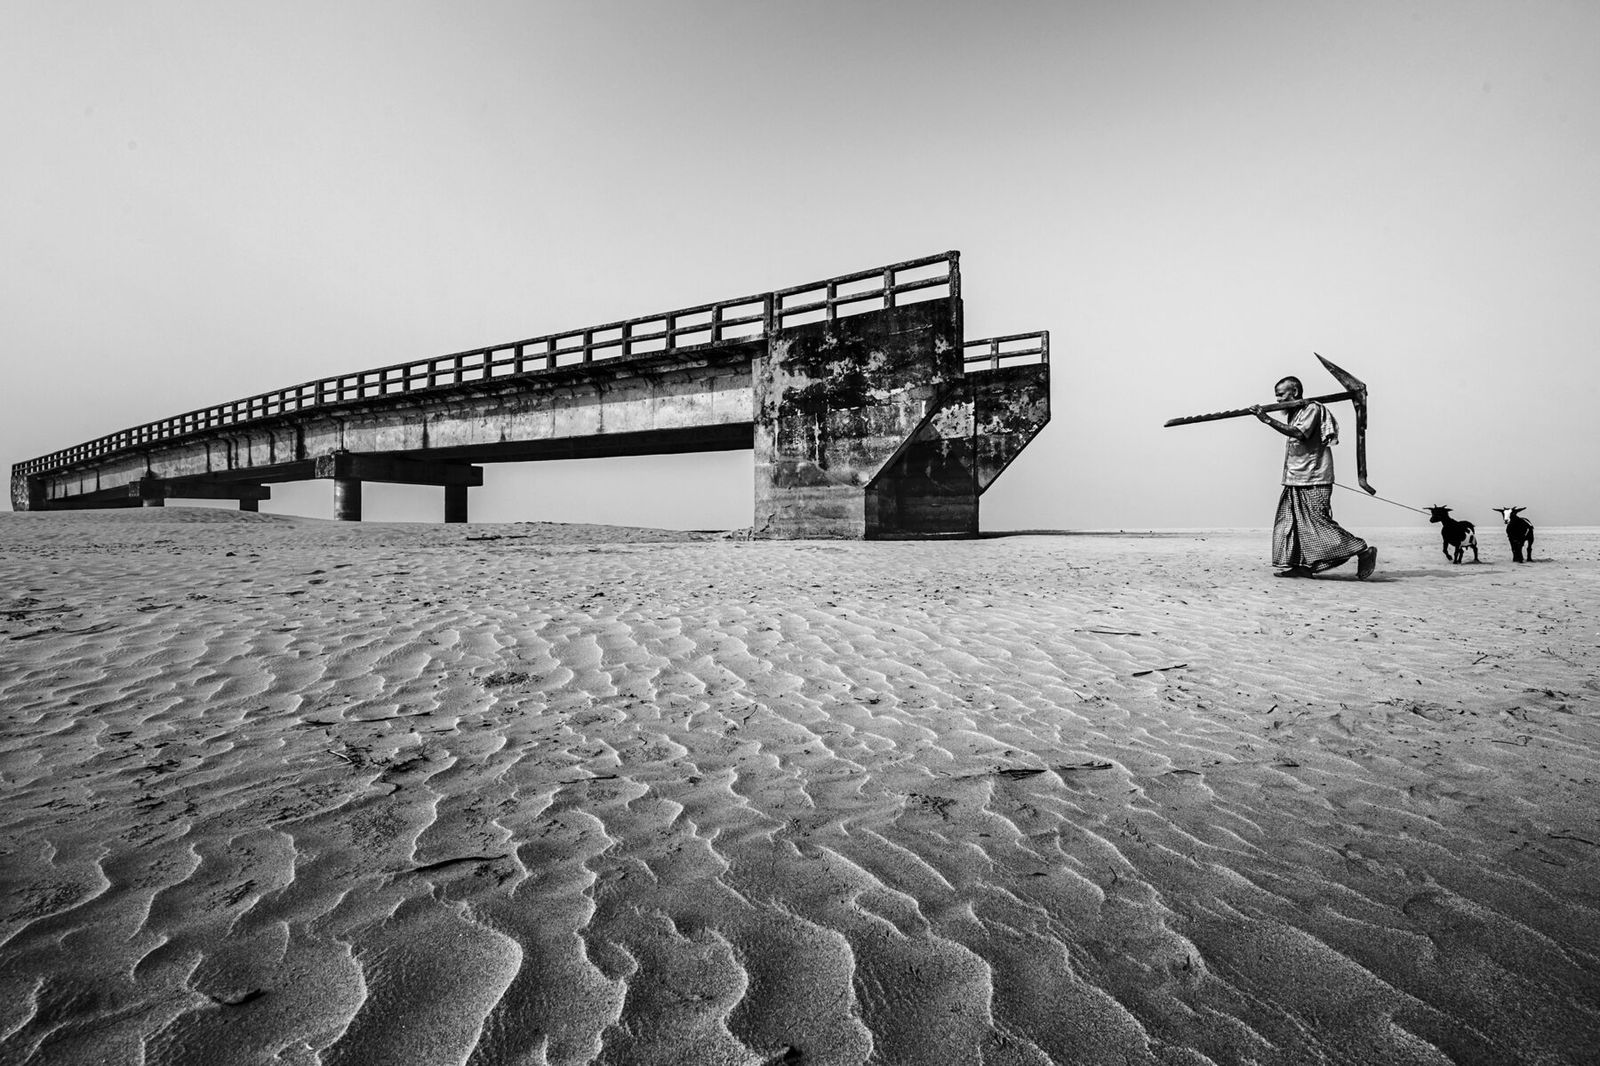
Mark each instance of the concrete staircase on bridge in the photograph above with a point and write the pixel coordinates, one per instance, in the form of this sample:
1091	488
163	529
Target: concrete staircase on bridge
869	413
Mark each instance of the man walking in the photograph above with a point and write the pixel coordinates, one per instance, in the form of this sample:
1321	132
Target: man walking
1305	538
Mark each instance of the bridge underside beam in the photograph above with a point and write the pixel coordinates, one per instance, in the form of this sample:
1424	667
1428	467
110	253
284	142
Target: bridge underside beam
154	492
84	501
730	436
204	489
395	469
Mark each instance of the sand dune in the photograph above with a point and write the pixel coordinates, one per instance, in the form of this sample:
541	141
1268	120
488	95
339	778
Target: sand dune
288	791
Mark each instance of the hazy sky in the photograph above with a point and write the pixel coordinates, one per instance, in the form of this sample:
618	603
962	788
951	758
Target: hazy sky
207	200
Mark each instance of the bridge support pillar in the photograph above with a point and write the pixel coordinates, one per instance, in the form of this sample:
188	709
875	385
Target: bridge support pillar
455	503
152	491
349	469
347	499
249	505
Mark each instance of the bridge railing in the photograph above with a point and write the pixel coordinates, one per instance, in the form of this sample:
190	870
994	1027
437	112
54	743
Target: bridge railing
734	321
1013	349
915	280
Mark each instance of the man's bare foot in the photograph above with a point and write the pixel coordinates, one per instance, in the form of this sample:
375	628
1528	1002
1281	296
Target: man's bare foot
1366	563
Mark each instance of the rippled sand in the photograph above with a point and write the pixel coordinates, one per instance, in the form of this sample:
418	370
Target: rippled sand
290	791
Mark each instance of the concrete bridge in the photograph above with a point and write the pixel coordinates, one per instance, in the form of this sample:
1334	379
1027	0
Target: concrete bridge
869	413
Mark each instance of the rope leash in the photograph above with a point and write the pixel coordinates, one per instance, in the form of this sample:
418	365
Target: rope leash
1347	488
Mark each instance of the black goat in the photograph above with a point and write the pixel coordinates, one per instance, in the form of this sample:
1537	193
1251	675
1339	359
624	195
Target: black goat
1458	533
1519	531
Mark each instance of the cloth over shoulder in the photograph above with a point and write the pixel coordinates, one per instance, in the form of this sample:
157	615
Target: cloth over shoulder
1310	462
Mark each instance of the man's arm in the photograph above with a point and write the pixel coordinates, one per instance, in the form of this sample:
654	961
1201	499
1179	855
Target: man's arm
1299	432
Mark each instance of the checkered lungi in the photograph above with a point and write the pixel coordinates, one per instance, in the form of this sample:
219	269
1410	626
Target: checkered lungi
1305	534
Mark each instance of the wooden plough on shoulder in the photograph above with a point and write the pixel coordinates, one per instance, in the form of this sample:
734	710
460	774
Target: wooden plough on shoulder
1355	392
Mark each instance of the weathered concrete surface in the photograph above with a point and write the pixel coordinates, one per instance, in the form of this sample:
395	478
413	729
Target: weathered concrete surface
978	426
1010	406
835	402
930	487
